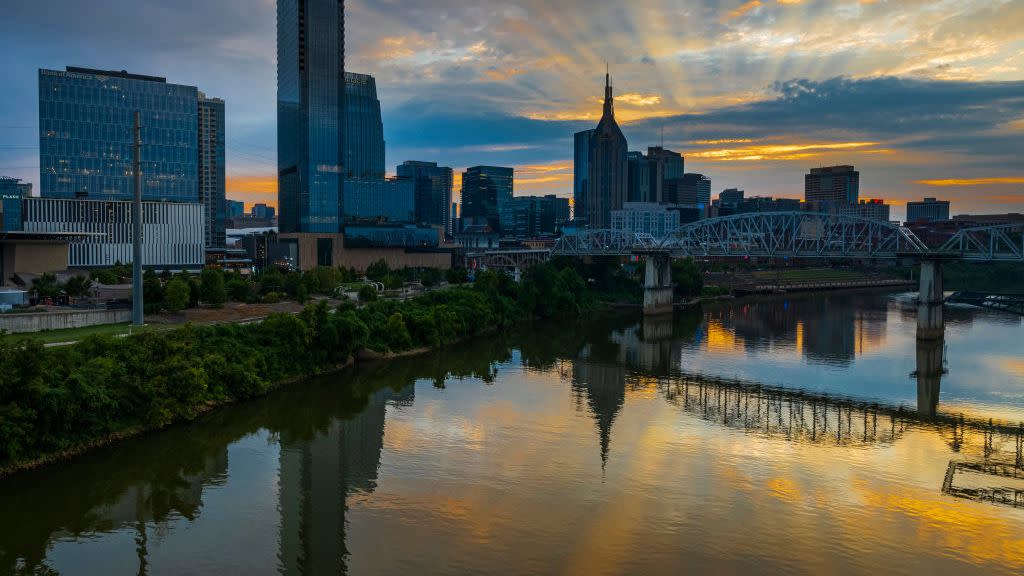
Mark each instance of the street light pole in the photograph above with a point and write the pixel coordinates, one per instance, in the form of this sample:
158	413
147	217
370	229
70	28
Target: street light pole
137	315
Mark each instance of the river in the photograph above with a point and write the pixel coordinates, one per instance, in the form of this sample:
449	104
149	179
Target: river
794	434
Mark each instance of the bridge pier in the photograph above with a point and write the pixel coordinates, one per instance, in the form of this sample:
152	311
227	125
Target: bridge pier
658	291
930	299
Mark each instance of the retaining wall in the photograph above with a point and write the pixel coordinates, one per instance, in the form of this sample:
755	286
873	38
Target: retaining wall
39	321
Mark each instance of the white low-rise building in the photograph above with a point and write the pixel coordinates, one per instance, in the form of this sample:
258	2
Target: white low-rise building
172	232
646	218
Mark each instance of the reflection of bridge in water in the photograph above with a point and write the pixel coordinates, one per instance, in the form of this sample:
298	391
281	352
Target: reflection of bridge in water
646	356
801	416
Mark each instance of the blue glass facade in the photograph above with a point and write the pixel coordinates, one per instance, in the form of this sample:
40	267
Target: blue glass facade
86	120
310	114
235	208
484	190
532	216
364	130
380	200
433	192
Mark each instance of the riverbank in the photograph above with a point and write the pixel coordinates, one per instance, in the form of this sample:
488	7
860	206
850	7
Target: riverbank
57	403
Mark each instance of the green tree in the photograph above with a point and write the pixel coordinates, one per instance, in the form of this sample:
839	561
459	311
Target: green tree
430	277
78	286
152	292
46	286
378	270
396	334
367	293
687	277
457	275
239	289
176	295
213	291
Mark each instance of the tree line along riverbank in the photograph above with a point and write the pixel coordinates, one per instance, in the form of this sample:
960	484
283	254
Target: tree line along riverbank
58	402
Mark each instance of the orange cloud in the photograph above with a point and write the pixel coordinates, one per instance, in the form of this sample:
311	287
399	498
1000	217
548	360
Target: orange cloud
502	74
635	99
972	181
724	141
251	184
543	168
779	151
528	182
743	9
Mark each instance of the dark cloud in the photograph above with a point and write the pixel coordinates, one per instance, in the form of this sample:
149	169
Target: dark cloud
961	116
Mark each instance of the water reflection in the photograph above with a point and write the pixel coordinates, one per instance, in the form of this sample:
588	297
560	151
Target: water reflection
806	383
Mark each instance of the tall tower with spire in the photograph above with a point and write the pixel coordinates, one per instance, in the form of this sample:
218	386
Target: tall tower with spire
608	169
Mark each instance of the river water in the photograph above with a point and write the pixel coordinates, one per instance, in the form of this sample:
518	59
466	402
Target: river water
798	434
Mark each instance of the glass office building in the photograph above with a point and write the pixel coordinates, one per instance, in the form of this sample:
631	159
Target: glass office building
310	114
86	120
433	185
581	173
11	194
211	169
484	190
364	131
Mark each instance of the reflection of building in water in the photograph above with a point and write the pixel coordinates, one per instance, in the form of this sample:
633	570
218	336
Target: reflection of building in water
604	387
830	330
648	346
316	476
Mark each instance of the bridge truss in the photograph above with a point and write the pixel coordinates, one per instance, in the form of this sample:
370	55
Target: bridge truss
604	243
798	235
1005	242
793	235
507	259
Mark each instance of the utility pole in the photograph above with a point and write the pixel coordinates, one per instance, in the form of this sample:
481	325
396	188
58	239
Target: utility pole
137	316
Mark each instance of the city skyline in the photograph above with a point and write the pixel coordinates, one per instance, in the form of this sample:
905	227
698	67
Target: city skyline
920	98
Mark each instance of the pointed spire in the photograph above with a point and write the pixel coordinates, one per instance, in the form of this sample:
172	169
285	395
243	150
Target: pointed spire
609	108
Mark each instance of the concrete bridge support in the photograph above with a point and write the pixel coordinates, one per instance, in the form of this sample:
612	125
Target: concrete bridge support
658	290
930	299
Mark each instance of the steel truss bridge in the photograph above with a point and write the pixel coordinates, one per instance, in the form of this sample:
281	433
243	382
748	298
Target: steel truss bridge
798	235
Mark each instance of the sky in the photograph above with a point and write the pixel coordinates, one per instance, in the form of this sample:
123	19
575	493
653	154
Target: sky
925	98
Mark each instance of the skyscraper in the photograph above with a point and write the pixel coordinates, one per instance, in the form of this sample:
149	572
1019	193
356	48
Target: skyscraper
310	114
928	210
484	190
433	185
581	173
608	170
832	185
694	190
211	169
666	169
639	187
86	140
364	130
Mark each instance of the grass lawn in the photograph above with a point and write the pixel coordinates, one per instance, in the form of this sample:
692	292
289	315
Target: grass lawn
76	334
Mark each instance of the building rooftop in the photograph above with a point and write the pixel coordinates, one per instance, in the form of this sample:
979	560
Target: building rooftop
115	74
